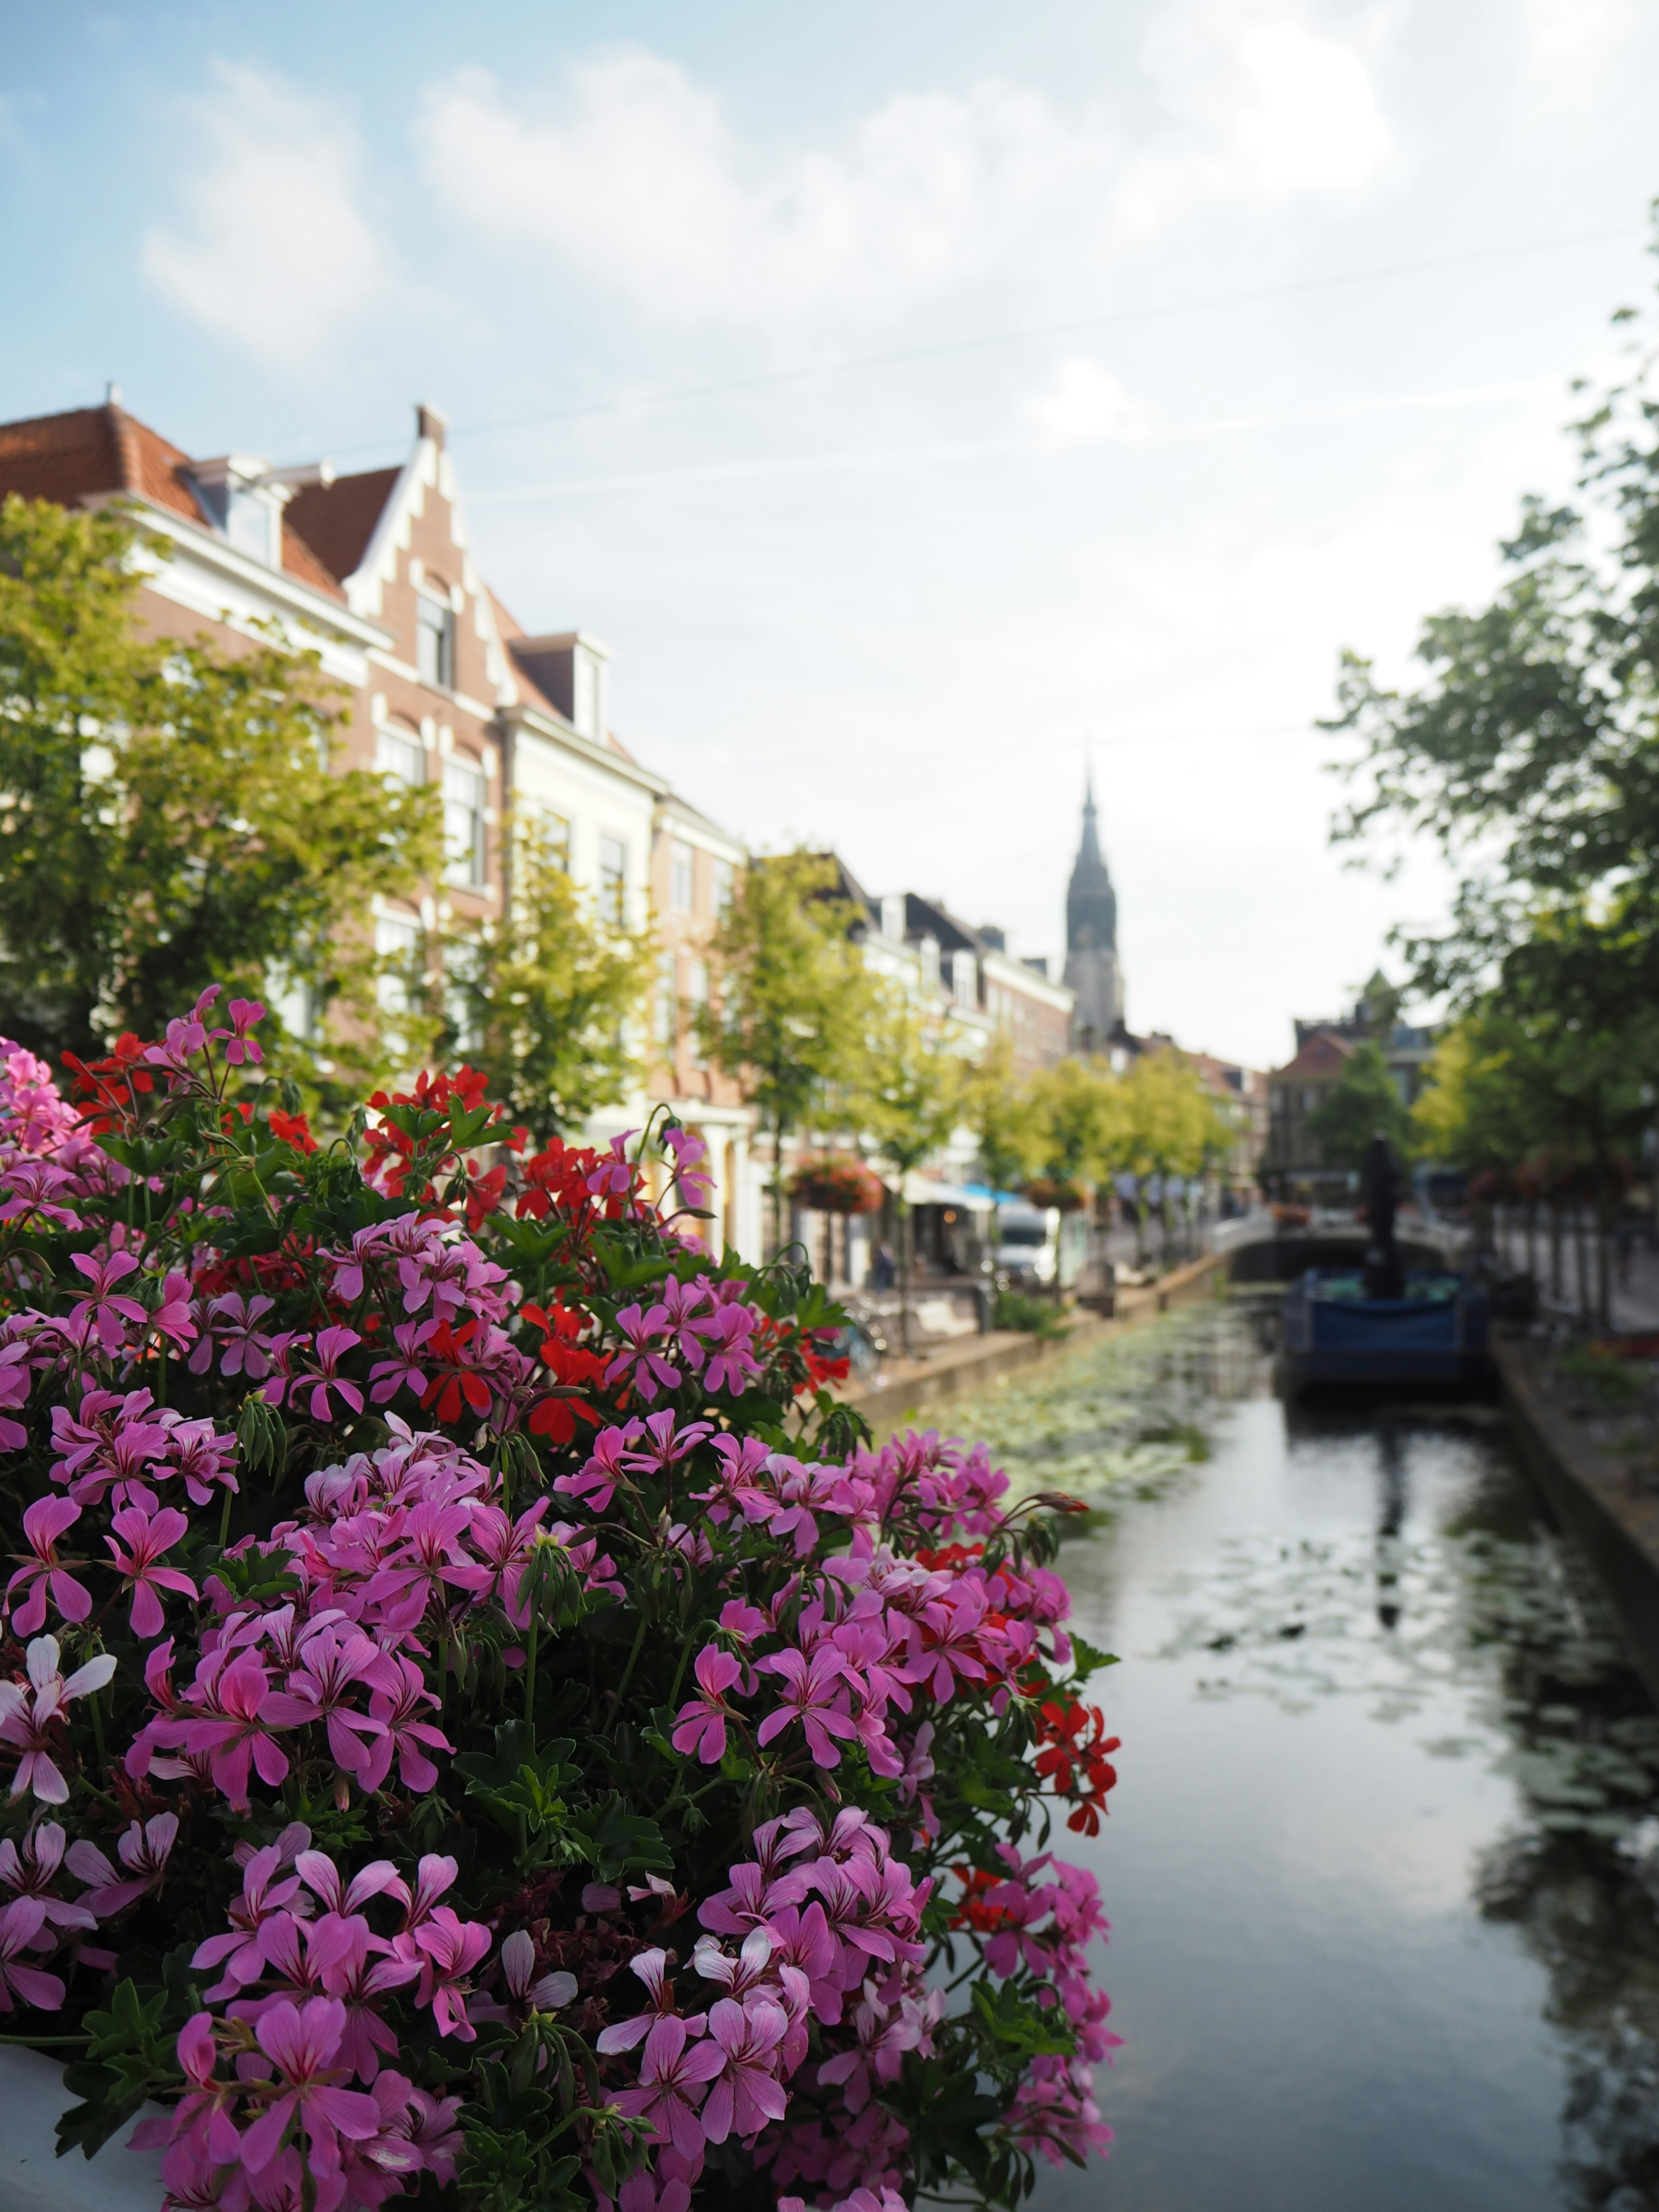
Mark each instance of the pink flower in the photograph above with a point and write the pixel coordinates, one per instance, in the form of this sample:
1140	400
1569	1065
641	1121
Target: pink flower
388	1377
42	1571
605	1466
452	1947
380	1878
104	1311
171	1316
265	1891
21	1924
302	2042
403	1732
241	1047
234	1729
703	1721
641	1329
747	2092
31	1870
672	2084
332	1664
614	1177
652	1967
550	1993
732	1365
332	1347
233	1321
28	1716
811	1684
143	1851
148	1539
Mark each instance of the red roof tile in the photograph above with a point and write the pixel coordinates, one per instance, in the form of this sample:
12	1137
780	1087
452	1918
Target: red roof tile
93	452
336	520
1322	1056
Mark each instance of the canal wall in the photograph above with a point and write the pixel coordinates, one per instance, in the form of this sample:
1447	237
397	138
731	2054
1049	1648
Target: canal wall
1614	1520
955	1369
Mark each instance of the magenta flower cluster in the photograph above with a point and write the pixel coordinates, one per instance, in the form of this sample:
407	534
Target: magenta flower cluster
345	1559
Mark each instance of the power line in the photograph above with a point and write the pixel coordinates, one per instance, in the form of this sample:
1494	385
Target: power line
765	379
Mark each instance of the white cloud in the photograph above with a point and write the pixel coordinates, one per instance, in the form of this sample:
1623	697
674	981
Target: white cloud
1311	122
274	254
1083	404
635	180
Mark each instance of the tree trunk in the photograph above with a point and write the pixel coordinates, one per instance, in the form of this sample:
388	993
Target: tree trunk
904	1269
777	1188
1581	1261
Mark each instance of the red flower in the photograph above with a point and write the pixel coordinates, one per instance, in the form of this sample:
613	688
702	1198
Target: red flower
291	1129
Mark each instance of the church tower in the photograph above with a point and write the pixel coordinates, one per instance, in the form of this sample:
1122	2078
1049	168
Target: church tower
1091	968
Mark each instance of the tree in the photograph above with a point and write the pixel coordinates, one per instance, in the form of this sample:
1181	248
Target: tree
1002	1114
1531	755
793	1002
909	1100
1171	1127
1363	1101
1079	1120
548	1002
170	814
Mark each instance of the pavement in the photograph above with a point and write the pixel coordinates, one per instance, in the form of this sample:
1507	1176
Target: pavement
1635	1289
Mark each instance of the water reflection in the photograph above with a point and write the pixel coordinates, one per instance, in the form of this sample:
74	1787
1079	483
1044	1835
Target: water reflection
1384	1861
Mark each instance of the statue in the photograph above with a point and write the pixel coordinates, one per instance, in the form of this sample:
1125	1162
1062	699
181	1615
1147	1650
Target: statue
1379	1181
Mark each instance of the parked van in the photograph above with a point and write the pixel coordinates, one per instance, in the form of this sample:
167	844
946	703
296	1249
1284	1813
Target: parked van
1027	1243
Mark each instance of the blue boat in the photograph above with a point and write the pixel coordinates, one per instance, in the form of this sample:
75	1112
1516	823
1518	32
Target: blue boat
1331	1331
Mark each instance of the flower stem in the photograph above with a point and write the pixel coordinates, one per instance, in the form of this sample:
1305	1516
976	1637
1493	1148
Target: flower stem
627	1671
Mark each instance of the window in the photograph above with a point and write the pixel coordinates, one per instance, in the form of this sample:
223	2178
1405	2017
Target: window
681	878
400	757
722	886
464	821
253	524
463	964
399	941
696	998
556	836
668	1006
613	880
585	700
435	643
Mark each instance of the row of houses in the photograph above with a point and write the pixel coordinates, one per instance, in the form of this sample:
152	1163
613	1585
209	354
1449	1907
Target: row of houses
378	574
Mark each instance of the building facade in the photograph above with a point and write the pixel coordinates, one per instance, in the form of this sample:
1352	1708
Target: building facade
376	573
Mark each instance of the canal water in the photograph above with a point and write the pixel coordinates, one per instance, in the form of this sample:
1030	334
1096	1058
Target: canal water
1382	1865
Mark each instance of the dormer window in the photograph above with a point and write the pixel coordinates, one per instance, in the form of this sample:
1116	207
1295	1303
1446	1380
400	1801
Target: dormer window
243	507
243	498
434	641
892	918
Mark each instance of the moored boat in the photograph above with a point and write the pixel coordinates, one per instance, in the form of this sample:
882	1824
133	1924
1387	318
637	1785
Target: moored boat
1435	1333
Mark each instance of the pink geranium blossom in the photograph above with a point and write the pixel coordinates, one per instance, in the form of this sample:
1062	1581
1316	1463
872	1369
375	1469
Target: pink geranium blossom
148	1539
43	1572
21	1924
29	1713
450	1947
303	2043
815	1694
703	1721
746	2092
672	2078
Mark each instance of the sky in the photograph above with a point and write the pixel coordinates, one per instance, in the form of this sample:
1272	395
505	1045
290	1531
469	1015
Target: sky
921	402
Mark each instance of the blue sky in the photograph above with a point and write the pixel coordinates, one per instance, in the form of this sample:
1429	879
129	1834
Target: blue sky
1083	378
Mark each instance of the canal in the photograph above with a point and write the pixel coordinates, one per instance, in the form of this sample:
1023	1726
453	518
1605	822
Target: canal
1382	1865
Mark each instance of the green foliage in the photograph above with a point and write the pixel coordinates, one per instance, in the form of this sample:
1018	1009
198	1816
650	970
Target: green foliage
793	1000
170	814
1034	1316
547	1002
1362	1102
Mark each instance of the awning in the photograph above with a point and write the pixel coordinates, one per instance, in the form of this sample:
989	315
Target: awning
972	1197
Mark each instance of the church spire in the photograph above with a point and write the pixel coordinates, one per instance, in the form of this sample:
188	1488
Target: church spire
1091	968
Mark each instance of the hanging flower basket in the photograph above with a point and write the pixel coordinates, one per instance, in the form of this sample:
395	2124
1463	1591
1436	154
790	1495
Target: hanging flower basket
833	1186
1049	1192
